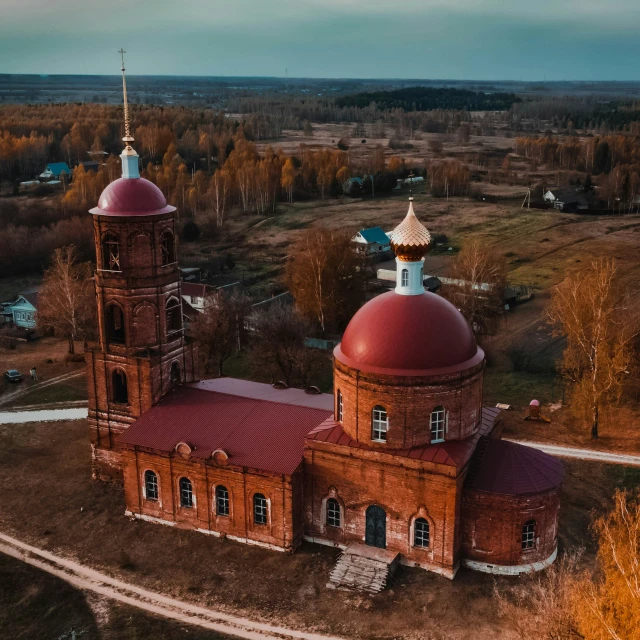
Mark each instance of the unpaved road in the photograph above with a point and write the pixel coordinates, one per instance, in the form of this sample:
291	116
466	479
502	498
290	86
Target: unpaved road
22	390
560	451
90	580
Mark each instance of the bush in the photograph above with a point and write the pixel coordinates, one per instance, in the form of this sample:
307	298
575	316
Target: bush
190	231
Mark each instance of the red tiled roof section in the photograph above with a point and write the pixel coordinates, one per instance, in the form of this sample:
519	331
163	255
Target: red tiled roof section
513	469
197	289
454	453
258	434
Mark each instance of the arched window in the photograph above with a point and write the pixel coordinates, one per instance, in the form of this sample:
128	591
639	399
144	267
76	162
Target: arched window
174	374
379	424
174	315
404	278
334	516
186	493
421	533
438	424
119	387
111	253
529	534
115	324
260	509
167	248
339	406
150	485
222	501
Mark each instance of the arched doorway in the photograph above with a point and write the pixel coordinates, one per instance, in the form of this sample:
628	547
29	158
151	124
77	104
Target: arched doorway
376	527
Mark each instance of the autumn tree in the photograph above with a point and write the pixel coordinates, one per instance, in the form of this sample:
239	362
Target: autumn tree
220	328
278	346
479	291
288	178
594	311
326	278
66	301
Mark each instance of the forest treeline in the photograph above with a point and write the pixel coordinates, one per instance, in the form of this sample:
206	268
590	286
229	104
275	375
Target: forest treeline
428	98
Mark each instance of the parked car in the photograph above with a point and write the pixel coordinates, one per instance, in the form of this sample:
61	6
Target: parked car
13	375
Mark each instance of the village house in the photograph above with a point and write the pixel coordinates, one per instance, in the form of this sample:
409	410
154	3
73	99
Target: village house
372	241
566	199
56	171
22	312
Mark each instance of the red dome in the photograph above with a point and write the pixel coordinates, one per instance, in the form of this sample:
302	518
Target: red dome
409	335
132	197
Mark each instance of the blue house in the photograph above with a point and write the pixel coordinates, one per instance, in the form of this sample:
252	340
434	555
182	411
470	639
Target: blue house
372	241
24	309
55	171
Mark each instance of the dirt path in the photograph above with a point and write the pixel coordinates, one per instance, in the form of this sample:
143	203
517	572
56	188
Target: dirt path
90	580
560	451
41	385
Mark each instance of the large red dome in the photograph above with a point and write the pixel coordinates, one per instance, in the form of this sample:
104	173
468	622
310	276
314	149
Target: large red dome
132	197
409	335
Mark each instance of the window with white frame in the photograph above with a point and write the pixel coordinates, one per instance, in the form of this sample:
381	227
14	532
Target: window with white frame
529	534
334	518
438	424
379	424
186	493
150	485
421	533
339	405
222	501
260	509
404	278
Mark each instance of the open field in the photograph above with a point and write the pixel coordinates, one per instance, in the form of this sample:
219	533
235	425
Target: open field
60	509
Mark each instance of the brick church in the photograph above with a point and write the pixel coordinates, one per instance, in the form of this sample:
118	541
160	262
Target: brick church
401	457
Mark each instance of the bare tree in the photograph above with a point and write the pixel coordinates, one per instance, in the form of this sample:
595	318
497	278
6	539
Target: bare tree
326	277
479	291
278	346
219	329
66	301
594	311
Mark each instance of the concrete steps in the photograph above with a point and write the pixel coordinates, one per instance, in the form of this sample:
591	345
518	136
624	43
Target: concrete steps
363	568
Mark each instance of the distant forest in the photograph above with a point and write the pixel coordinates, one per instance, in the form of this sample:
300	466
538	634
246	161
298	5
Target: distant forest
426	99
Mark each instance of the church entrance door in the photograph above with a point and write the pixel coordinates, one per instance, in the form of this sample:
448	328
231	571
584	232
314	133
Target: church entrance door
376	527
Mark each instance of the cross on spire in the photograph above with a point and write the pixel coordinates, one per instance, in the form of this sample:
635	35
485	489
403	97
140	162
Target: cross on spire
128	138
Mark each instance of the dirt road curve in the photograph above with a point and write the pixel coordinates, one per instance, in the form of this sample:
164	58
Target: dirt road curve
581	454
41	385
89	580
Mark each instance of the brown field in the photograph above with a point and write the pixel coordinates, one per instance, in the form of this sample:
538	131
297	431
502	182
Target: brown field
59	508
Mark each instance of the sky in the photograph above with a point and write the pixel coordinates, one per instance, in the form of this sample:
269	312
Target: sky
450	39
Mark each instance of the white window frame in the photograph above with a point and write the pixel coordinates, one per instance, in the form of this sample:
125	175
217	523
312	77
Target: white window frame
224	499
404	278
439	419
529	535
192	497
379	424
420	535
145	485
334	518
261	510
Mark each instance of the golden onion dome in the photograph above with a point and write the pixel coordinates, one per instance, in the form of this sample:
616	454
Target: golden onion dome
410	240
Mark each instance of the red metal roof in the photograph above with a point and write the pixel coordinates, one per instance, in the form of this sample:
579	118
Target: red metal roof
197	289
408	335
454	453
513	469
259	434
132	197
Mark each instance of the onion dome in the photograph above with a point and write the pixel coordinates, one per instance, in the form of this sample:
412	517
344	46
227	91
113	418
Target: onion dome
132	197
417	335
410	240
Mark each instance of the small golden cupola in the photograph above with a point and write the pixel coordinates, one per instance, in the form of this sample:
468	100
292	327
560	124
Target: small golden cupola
410	241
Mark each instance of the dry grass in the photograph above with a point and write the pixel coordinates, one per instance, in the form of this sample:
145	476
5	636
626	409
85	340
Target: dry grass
58	507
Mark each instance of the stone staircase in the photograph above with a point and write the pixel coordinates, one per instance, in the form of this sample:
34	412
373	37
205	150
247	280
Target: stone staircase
363	568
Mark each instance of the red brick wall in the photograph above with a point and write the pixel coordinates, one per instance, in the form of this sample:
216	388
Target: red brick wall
409	402
404	488
492	526
282	530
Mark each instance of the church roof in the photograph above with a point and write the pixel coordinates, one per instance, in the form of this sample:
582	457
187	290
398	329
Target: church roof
255	433
454	453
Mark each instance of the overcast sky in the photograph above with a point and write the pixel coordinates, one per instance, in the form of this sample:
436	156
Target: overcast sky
457	39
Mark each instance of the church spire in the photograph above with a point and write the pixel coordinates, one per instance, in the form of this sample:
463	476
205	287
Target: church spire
129	157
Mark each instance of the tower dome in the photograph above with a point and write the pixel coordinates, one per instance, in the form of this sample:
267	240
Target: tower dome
132	197
410	240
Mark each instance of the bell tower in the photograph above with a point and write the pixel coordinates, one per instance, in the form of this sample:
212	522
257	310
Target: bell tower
142	351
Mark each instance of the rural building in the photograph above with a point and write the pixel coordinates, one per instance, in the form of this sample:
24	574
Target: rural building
193	294
372	241
23	311
352	186
55	170
401	463
568	200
